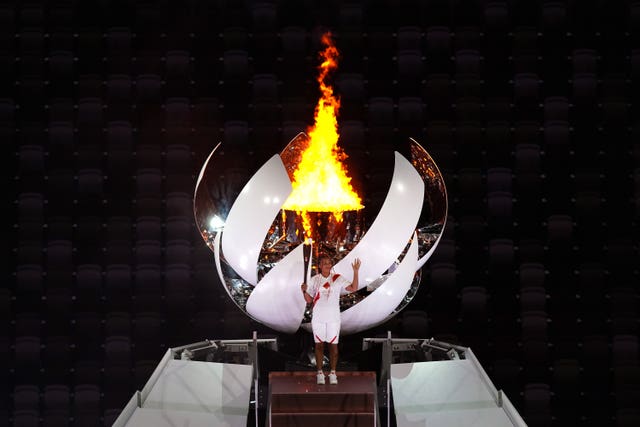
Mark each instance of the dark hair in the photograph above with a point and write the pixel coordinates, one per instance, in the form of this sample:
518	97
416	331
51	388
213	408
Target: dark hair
323	256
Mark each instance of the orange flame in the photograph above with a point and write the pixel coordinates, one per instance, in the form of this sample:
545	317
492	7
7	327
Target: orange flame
320	181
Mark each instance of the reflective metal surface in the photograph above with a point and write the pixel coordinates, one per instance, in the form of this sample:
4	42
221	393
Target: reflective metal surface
222	183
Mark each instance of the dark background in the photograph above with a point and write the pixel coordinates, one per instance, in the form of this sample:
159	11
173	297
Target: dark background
108	110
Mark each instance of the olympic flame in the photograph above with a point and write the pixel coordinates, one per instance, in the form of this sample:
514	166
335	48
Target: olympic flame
320	181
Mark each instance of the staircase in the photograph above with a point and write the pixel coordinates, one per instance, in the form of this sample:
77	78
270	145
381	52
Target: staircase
295	400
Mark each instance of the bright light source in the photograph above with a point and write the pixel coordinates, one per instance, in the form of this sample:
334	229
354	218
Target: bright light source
216	223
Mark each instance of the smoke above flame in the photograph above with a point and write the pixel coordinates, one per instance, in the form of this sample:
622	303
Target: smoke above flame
320	181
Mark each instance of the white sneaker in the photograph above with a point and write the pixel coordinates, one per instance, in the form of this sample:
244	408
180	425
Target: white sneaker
320	378
333	378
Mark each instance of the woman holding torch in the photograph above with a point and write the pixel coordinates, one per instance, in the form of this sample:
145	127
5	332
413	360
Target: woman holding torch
324	291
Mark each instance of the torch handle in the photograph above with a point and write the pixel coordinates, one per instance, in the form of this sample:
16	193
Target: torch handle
306	255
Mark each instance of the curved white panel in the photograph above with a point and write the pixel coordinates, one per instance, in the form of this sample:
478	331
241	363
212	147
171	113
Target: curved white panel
277	300
251	216
388	235
216	257
376	307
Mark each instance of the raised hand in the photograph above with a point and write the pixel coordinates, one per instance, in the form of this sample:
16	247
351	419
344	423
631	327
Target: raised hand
303	287
356	264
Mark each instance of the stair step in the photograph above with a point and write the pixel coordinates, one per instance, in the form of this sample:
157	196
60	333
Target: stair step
318	402
322	420
296	400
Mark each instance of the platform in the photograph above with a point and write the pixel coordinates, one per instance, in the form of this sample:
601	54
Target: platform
449	393
194	393
219	383
296	400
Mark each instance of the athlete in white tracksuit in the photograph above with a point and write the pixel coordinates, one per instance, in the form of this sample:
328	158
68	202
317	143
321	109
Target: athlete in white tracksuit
324	292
